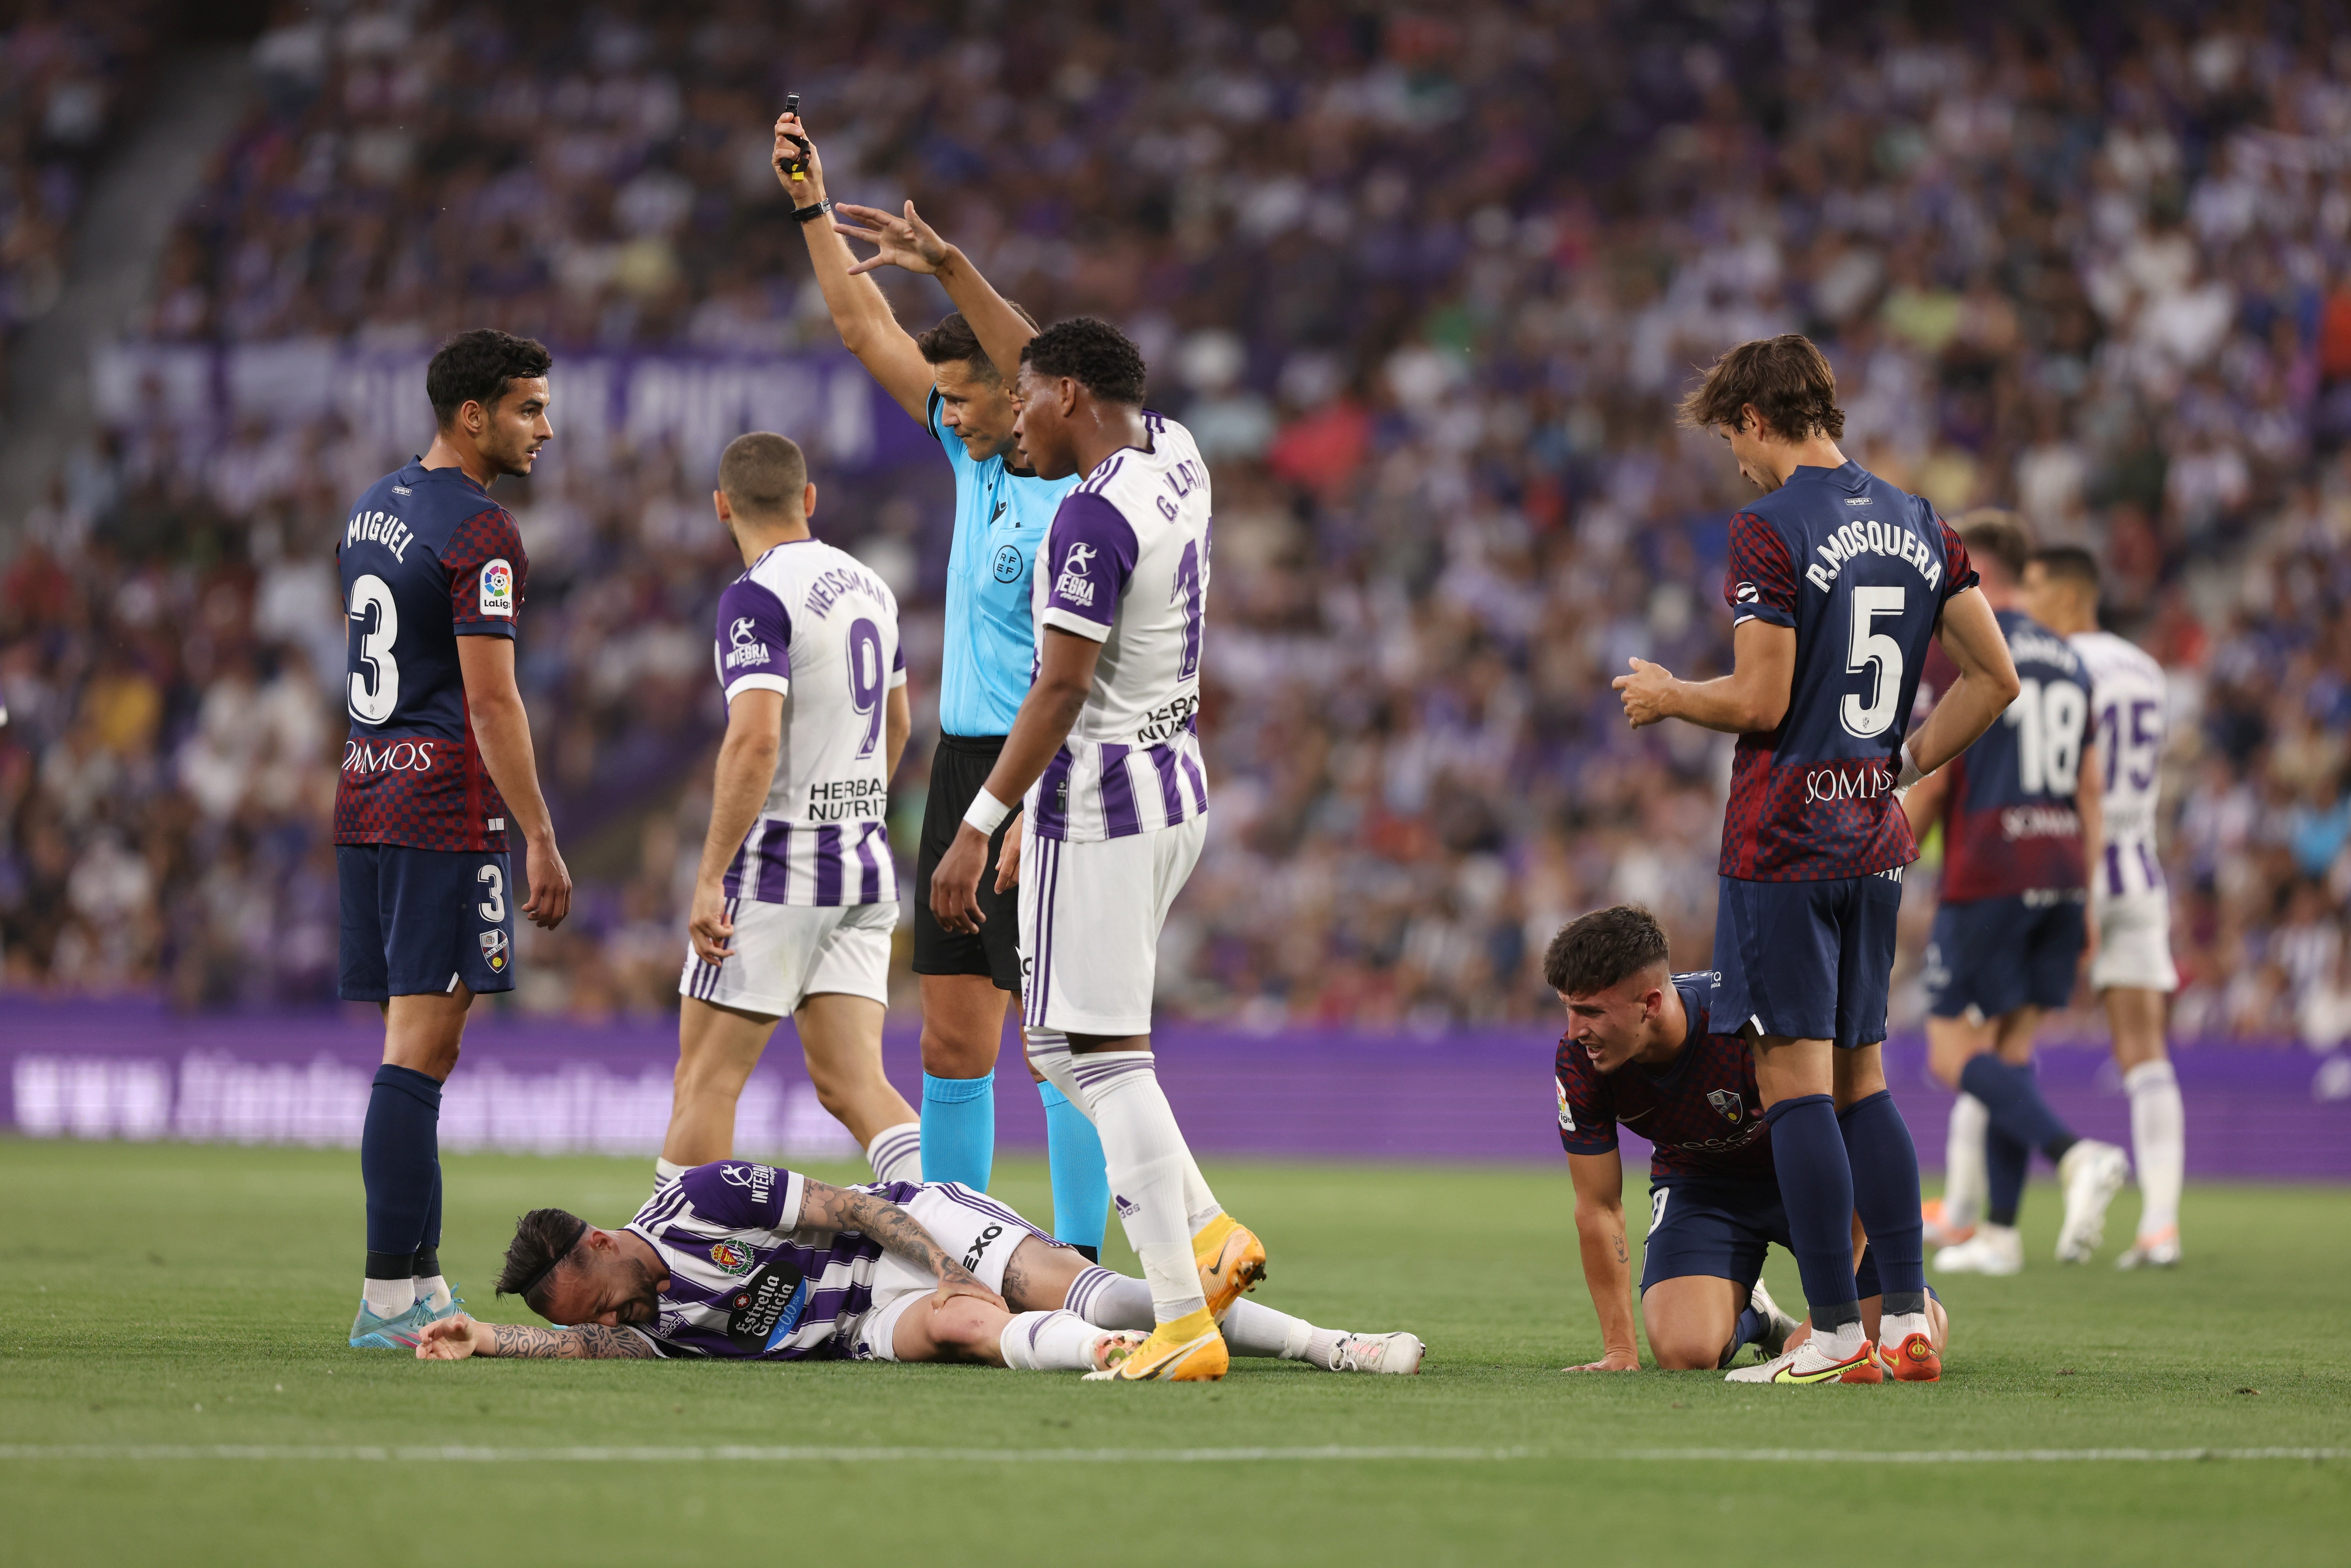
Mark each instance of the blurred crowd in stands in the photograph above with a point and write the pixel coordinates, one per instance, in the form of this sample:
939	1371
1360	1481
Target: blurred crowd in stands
1425	284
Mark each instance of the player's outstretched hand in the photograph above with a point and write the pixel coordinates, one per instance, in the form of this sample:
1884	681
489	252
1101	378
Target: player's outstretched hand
707	927
1644	691
809	189
906	242
955	883
958	1281
452	1339
1615	1361
551	885
1008	859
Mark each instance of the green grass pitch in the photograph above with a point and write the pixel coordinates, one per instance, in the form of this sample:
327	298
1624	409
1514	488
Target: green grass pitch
188	1297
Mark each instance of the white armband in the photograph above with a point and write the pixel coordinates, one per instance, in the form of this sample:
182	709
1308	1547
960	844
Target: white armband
987	813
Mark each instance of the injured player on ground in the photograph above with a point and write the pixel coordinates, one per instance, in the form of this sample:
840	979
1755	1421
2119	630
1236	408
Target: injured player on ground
749	1261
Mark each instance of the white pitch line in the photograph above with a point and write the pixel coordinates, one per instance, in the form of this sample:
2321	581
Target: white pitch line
719	1454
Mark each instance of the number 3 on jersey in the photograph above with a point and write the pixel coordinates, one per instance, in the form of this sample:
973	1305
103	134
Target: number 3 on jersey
374	695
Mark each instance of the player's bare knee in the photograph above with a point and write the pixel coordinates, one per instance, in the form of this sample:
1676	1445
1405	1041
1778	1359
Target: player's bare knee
966	1329
1680	1353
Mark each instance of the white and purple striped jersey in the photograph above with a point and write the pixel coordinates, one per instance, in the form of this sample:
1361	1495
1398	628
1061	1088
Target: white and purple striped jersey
811	621
745	1282
1126	563
2127	714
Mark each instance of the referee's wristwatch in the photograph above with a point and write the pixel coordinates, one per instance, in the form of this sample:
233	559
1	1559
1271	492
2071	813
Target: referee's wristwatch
810	215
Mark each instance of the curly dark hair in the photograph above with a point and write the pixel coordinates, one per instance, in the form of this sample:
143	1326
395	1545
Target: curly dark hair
1786	378
540	1238
1595	952
953	339
475	366
1094	354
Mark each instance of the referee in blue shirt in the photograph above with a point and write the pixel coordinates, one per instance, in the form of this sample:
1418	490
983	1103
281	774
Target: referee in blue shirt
957	379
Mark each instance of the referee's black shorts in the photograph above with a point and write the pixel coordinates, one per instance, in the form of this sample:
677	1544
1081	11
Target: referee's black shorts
959	769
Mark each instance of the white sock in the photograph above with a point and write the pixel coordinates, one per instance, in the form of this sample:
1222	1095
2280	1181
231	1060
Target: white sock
388	1298
896	1152
432	1287
1049	1341
1254	1330
2159	1144
1963	1164
1841	1344
1323	1348
1893	1328
1144	1150
667	1171
1109	1300
1049	1053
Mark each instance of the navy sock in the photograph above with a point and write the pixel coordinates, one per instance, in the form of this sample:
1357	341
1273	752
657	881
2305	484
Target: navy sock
1747	1330
2005	1159
2015	1101
400	1161
1886	1194
1816	1190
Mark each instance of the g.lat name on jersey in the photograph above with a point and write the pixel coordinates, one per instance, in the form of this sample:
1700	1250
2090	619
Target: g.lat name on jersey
1867	536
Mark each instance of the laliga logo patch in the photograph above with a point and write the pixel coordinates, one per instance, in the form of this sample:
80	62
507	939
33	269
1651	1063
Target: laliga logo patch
494	951
1567	1116
498	589
1727	1101
732	1257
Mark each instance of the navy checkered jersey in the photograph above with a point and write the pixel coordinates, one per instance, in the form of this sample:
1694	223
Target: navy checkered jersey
426	558
1861	571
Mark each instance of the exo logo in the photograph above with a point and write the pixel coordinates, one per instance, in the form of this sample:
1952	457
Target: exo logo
979	1246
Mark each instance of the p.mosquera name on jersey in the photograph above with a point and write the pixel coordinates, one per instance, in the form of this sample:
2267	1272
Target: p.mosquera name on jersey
810	622
1126	564
425	558
1861	571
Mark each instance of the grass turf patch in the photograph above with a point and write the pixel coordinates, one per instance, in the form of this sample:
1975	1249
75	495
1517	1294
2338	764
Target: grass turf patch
192	1297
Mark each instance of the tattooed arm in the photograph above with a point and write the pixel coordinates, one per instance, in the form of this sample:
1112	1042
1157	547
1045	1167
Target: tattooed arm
1607	1262
826	1207
454	1339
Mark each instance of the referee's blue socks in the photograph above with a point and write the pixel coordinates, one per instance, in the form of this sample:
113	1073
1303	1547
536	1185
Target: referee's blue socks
1080	1181
400	1162
1884	1166
959	1130
1816	1191
2014	1102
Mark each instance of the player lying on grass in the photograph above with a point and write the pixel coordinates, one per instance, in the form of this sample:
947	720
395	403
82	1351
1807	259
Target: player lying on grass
748	1261
1638	1050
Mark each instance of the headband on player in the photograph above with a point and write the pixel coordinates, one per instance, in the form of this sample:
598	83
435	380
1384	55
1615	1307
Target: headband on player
536	1281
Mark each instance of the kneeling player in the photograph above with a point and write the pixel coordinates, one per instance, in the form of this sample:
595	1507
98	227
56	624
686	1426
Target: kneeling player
1638	1050
747	1261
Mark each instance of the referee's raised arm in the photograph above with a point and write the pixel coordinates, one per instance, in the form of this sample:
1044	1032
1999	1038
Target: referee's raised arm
861	312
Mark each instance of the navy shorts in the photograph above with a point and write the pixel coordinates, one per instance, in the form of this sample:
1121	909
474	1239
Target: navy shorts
423	920
1996	954
1719	1226
1807	960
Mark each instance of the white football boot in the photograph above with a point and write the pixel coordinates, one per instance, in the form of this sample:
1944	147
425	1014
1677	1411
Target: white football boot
1992	1250
1397	1355
2152	1252
1779	1326
2092	1173
1821	1358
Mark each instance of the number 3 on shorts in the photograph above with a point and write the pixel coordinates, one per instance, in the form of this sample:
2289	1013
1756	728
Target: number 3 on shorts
493	909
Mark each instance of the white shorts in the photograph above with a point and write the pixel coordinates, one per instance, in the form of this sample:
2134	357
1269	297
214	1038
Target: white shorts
968	1226
2135	942
786	953
1090	921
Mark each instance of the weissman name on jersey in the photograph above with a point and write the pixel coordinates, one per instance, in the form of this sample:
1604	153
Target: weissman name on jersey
811	624
1126	564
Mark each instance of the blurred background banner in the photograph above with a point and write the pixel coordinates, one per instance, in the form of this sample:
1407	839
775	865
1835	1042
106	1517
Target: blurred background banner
132	1071
2092	262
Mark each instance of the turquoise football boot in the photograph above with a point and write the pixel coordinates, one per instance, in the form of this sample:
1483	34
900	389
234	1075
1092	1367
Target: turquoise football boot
369	1332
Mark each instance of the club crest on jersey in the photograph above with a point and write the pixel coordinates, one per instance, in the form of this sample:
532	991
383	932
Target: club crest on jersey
494	945
498	589
748	646
1727	1101
732	1258
1074	585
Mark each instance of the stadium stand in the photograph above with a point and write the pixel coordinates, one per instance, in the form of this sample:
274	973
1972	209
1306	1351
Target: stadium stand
1426	287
